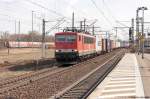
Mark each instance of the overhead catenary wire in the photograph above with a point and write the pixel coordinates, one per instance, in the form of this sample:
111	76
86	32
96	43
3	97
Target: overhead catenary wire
57	13
101	12
109	11
56	25
43	7
13	19
50	10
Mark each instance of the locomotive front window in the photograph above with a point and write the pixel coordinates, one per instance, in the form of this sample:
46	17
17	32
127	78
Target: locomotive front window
65	38
60	38
70	38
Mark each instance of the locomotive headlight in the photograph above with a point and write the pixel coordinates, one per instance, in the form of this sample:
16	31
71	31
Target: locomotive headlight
57	50
75	50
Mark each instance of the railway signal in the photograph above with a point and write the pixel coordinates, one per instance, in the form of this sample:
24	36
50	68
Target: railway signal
130	35
142	27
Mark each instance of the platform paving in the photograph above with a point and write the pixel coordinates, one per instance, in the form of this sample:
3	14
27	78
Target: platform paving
124	82
145	73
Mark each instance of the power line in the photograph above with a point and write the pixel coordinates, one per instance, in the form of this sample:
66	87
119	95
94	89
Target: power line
41	6
109	11
101	12
50	10
56	25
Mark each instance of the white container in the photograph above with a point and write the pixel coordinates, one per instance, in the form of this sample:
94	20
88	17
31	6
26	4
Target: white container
98	43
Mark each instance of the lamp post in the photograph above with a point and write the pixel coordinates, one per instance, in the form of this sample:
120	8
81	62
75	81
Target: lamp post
143	8
137	30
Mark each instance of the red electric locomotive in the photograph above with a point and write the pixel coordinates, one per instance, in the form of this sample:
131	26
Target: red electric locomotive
72	46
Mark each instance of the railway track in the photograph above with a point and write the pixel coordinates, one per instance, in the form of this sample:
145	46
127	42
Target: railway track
44	84
8	84
82	88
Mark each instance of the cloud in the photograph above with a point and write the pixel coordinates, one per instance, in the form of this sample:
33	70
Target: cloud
8	1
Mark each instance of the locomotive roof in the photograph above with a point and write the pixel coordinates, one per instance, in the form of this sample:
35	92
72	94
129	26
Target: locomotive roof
80	33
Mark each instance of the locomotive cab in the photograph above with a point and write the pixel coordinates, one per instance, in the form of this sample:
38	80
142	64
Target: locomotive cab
70	47
66	44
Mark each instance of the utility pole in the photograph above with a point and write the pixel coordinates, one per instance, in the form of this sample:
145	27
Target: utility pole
132	25
73	21
81	25
15	27
131	34
15	37
93	30
43	38
32	29
137	31
84	24
116	32
143	8
141	38
116	37
19	34
142	33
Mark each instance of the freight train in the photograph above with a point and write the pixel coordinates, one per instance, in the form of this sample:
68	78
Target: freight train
72	46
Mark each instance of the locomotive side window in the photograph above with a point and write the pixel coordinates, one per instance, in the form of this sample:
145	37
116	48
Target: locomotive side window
88	40
60	38
70	38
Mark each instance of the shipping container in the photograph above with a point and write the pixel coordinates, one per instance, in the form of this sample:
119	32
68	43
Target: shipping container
117	44
108	46
104	45
98	44
113	44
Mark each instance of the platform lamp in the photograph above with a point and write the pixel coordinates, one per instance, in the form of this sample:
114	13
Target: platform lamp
143	8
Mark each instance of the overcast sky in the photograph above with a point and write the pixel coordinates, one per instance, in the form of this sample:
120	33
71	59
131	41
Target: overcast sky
107	12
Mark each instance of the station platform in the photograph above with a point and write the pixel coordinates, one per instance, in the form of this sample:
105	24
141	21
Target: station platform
145	73
124	82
